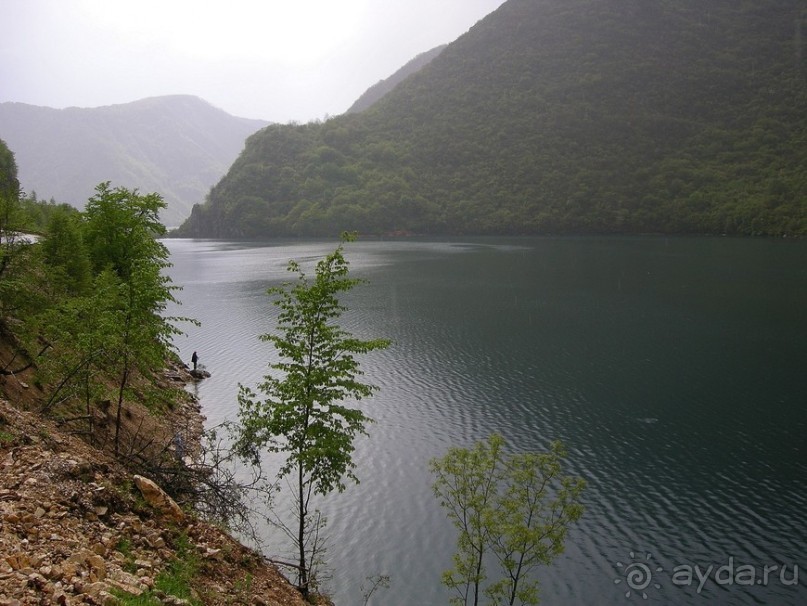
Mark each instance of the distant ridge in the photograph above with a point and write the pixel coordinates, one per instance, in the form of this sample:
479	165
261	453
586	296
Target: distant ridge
379	90
177	146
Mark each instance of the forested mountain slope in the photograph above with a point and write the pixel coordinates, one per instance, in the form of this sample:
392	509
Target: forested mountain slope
379	90
553	116
178	146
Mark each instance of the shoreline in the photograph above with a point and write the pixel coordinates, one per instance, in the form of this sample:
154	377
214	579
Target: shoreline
78	530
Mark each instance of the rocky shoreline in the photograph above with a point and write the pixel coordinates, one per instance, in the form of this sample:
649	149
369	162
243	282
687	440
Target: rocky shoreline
77	528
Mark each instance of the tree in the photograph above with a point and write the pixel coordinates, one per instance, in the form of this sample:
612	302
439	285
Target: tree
512	508
304	415
11	242
65	254
120	232
121	229
467	480
81	330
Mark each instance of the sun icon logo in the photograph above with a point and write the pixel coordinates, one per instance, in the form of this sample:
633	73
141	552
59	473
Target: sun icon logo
638	575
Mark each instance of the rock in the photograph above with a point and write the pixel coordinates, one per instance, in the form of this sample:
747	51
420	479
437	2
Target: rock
57	572
97	567
157	543
132	589
107	599
69	569
99	549
71	532
157	498
125	581
80	470
18	561
95	589
37	581
199	374
213	554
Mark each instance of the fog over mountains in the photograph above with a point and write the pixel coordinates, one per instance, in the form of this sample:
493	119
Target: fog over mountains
178	146
559	116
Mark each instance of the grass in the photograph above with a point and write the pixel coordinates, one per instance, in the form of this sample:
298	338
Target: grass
124	546
176	580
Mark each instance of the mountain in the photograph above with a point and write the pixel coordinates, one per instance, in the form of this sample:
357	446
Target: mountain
177	146
555	116
379	90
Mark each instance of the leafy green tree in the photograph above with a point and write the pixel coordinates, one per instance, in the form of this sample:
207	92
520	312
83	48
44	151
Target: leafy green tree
120	231
81	331
513	508
304	414
467	480
10	223
65	253
9	183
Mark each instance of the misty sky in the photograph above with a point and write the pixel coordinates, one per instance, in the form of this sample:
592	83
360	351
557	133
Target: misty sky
279	60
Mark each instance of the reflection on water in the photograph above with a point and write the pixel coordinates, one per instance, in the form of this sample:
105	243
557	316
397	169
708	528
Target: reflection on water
672	369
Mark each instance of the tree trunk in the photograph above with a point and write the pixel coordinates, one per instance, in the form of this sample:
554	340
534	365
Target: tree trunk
301	533
121	388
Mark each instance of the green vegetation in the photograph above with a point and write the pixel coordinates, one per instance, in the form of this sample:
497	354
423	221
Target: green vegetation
11	223
379	90
38	213
84	306
176	580
120	231
514	507
304	415
575	116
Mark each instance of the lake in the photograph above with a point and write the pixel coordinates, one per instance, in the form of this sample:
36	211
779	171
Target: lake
673	369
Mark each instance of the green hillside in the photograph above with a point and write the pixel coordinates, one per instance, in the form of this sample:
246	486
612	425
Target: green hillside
379	90
555	116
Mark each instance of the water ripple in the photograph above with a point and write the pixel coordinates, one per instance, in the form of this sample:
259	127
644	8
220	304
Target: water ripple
692	454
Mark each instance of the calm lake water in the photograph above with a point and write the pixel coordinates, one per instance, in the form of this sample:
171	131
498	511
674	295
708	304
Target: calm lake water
673	369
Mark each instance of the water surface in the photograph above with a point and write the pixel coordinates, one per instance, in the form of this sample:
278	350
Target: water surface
674	370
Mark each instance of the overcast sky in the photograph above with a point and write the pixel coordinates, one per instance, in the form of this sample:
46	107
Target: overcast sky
278	60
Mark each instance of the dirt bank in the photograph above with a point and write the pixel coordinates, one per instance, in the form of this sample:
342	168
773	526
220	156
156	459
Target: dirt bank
74	528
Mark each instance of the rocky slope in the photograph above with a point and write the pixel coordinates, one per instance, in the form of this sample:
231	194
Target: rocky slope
75	529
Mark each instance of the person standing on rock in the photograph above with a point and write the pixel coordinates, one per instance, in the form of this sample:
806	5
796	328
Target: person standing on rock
194	359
